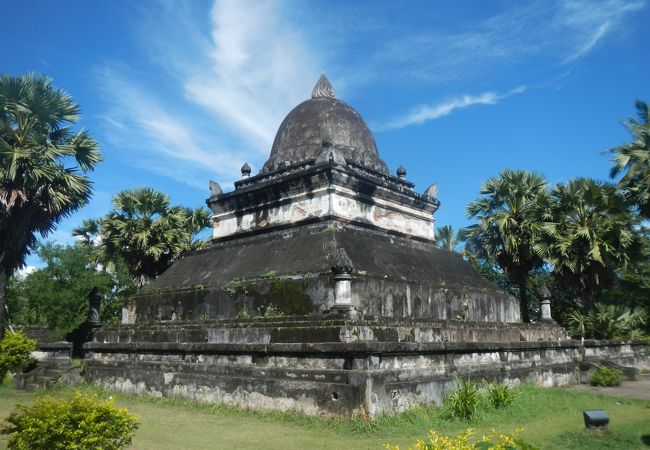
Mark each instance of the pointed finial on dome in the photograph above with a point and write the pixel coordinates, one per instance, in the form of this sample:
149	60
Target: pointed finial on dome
245	170
401	172
323	88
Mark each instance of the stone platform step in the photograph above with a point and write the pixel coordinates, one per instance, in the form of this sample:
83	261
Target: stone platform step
47	373
338	378
307	330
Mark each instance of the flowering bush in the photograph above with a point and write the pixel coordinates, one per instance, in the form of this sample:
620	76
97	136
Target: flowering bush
465	441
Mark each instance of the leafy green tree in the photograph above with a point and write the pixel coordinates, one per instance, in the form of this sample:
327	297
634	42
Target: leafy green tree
43	166
633	160
449	239
57	295
510	215
145	232
589	236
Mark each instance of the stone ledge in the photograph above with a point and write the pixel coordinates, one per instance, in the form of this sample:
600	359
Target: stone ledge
337	347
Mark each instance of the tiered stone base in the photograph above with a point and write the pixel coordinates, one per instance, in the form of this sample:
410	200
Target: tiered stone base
336	367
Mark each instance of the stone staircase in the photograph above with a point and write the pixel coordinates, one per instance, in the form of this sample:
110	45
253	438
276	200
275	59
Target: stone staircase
47	373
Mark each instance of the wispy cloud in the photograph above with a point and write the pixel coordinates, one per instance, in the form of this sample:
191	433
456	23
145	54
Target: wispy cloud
560	32
154	138
424	113
588	23
229	80
260	68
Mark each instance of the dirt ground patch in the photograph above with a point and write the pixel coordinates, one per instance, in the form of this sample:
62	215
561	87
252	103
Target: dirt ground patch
632	389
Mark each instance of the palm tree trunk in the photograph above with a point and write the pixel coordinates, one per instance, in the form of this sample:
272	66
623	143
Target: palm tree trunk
523	301
3	285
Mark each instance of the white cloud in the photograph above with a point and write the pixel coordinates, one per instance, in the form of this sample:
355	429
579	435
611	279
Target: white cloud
228	85
228	78
260	68
27	270
425	113
153	137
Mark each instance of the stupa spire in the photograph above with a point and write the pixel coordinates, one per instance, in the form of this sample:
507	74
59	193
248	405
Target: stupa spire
323	88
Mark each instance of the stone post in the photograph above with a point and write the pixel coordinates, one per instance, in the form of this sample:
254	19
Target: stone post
94	306
342	289
342	268
545	304
128	311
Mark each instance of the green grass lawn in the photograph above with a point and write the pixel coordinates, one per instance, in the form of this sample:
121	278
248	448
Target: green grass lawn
551	418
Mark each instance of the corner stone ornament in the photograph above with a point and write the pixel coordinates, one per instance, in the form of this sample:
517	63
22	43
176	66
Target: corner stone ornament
342	264
245	171
401	173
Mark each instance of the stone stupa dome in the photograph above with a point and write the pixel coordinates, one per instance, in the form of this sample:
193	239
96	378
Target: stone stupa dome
324	119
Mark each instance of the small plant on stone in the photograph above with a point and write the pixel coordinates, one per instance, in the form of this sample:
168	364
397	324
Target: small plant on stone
499	394
83	422
271	311
604	376
203	316
243	314
15	350
463	403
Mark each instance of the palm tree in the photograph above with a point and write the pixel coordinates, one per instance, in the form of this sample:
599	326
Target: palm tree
448	239
144	231
633	160
590	236
43	166
510	215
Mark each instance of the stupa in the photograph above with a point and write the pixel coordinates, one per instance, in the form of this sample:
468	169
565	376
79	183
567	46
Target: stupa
324	192
323	292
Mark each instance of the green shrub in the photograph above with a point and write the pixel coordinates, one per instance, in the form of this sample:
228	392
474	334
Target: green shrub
15	349
463	403
466	441
499	394
83	422
604	376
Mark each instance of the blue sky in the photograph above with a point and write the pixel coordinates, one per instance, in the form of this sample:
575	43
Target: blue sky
178	93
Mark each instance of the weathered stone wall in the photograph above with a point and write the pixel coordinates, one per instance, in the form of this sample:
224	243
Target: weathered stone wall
300	330
325	191
313	294
48	345
261	368
393	276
